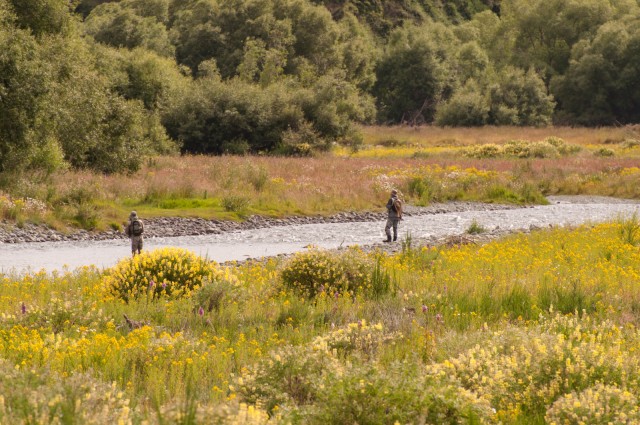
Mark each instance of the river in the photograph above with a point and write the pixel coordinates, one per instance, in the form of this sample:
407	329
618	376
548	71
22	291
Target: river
241	245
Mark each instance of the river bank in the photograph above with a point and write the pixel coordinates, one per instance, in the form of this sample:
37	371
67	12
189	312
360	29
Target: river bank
180	226
433	226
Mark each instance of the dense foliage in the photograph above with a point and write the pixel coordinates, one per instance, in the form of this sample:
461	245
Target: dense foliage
105	83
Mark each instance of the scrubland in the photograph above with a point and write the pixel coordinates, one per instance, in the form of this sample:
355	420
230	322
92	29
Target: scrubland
537	328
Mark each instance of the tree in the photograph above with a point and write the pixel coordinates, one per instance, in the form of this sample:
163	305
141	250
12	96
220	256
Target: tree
124	25
23	83
43	16
412	75
600	87
468	107
520	98
544	31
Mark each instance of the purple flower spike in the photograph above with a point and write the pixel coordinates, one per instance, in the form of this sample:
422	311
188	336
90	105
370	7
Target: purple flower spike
23	308
164	285
424	308
151	284
201	311
438	317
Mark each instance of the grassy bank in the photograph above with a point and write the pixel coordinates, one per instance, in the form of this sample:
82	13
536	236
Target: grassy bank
512	165
520	330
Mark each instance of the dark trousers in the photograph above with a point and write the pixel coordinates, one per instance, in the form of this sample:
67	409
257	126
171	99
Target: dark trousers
392	223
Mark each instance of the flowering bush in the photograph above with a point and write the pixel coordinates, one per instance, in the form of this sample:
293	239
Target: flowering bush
39	396
523	372
170	272
318	271
355	337
488	150
213	294
366	394
288	377
600	404
295	376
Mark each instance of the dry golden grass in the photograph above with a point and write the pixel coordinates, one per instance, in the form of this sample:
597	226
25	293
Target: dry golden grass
439	136
323	184
206	187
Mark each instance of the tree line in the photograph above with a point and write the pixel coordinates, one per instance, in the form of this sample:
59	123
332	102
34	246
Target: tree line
101	84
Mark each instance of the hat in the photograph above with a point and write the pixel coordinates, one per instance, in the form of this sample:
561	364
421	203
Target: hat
133	214
394	192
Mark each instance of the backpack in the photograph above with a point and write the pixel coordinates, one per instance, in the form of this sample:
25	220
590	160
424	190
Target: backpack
136	228
397	206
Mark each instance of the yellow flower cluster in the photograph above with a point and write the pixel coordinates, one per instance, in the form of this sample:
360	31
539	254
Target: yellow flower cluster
325	273
165	272
359	337
597	405
524	371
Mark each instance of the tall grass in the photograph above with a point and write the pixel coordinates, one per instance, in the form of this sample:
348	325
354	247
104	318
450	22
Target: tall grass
276	186
452	137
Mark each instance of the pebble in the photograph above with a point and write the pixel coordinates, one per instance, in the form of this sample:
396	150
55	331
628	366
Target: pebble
179	226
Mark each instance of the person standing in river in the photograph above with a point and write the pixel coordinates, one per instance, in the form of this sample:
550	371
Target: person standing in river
394	210
134	230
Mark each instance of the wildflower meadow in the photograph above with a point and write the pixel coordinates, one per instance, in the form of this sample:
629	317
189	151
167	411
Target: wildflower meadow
538	328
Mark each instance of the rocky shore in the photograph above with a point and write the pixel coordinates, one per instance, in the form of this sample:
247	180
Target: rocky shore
178	226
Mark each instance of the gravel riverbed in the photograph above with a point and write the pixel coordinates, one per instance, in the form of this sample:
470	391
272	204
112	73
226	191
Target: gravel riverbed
179	226
34	248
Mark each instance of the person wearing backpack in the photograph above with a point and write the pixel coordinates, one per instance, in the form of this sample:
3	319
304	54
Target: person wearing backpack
394	210
134	230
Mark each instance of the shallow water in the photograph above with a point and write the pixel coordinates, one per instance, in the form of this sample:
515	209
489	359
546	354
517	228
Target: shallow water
287	239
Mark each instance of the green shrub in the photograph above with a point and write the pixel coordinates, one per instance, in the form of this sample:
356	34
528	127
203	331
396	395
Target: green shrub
466	108
258	177
544	150
368	396
289	376
303	141
166	272
488	150
518	148
475	228
235	203
555	141
214	293
630	229
562	146
499	193
86	216
381	282
319	271
604	152
425	190
235	147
